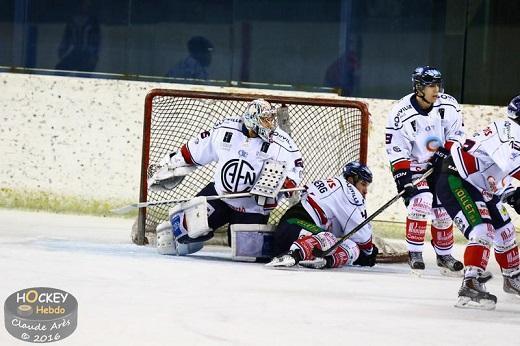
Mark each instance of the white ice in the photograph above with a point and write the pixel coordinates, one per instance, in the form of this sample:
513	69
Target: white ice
130	295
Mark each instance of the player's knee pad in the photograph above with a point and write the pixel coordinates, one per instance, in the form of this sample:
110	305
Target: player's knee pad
251	242
420	206
322	241
482	234
190	220
506	248
345	254
505	236
441	219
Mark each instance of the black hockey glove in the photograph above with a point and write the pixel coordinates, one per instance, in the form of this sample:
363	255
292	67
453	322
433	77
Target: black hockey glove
403	180
437	159
367	260
514	200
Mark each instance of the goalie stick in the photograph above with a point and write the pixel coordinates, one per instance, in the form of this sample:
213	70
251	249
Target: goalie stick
131	207
322	253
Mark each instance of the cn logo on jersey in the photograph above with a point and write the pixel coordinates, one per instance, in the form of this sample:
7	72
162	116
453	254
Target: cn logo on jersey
236	173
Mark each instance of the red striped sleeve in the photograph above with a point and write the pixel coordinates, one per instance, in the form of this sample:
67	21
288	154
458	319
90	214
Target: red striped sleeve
403	164
186	155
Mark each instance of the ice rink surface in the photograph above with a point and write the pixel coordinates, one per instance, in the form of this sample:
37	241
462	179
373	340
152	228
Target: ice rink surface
130	295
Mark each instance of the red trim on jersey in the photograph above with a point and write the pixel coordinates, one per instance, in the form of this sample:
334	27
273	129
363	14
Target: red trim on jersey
448	144
367	246
469	161
404	164
186	155
517	175
318	210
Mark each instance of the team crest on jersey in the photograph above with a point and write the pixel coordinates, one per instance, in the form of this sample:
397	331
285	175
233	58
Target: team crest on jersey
237	173
433	143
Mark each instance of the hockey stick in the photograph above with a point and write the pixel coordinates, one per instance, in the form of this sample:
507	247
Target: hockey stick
322	253
131	207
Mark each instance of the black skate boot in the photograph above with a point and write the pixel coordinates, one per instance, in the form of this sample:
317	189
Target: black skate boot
473	294
290	259
512	282
415	260
449	266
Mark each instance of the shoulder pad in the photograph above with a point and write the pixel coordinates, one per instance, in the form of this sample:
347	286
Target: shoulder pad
282	138
229	122
504	130
353	195
448	99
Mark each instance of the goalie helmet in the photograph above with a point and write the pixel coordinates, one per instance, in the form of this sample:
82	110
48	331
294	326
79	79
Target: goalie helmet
358	171
424	76
261	118
513	109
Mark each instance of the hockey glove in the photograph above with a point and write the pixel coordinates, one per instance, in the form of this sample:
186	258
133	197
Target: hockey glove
514	200
403	180
367	260
437	159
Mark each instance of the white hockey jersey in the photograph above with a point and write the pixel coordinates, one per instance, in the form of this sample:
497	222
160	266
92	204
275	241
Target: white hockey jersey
413	135
337	206
240	159
490	157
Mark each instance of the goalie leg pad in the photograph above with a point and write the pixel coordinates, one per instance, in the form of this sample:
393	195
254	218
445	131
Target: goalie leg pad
251	242
166	244
191	218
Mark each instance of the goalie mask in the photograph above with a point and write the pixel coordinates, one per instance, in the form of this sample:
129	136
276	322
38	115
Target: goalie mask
513	109
357	171
260	117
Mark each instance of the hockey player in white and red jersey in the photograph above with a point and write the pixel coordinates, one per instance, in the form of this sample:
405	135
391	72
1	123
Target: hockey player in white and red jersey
473	184
329	209
421	128
240	146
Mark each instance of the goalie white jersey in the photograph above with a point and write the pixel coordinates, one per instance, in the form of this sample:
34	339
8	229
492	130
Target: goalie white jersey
337	206
240	159
490	157
413	135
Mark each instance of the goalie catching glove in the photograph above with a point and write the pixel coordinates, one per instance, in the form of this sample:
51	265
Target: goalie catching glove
169	173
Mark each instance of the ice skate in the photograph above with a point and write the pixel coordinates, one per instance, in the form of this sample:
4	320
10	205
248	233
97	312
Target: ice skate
290	259
473	294
512	283
317	263
449	266
416	262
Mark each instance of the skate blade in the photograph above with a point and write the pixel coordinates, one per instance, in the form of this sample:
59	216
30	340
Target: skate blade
279	264
417	272
451	274
467	303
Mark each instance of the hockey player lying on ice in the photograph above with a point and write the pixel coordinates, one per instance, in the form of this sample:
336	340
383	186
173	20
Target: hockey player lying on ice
240	145
473	184
335	205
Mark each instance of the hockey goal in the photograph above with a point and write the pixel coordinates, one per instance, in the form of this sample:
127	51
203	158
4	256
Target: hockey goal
329	131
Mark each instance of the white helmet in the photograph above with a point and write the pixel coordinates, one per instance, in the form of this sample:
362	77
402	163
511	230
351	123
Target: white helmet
261	118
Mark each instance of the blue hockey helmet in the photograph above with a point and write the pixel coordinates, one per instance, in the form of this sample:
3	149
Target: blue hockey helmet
358	171
426	75
513	109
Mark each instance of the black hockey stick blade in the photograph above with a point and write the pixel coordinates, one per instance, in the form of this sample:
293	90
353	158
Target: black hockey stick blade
322	253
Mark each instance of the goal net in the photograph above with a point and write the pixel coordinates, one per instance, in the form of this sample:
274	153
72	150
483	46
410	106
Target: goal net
329	131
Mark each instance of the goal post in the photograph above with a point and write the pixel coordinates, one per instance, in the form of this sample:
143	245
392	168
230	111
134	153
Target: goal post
329	131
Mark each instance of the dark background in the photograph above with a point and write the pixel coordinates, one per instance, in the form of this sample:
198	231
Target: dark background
366	48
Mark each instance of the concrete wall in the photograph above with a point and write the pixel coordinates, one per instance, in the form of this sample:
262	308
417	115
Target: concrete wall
82	137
